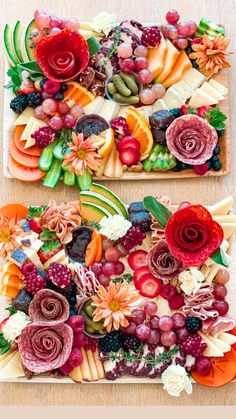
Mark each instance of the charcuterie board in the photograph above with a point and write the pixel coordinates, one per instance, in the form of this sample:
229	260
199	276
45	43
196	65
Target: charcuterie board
64	263
165	92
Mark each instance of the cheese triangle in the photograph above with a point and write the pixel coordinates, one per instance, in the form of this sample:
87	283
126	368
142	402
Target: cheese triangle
210	90
229	229
227	338
13	368
221	345
222	207
212	349
200	98
6	359
219	87
24	117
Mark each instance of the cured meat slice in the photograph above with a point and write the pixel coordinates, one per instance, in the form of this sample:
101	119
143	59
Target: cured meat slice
45	347
191	139
49	306
162	263
218	325
201	304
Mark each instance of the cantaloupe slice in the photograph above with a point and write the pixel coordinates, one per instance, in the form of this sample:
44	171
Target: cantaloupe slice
156	58
182	65
172	55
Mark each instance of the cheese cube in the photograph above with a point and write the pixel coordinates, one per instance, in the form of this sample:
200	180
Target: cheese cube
18	257
222	207
193	78
184	90
30	140
109	109
56	258
219	87
200	98
207	88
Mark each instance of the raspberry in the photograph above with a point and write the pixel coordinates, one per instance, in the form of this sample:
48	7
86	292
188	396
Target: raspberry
75	358
34	283
194	346
176	302
59	275
200	169
203	365
76	323
44	136
29	269
120	126
168	292
79	340
51	87
193	324
132	238
151	37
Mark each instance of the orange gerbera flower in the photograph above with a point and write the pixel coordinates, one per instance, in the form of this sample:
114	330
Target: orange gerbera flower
83	155
9	231
211	54
114	305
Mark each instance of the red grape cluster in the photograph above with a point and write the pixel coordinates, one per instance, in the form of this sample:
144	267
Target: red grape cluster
178	32
220	292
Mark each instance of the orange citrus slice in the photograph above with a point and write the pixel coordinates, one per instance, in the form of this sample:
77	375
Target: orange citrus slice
108	136
77	94
140	130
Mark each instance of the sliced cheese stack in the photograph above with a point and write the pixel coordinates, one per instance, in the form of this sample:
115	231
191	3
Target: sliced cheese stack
227	222
11	366
217	345
33	125
91	368
104	107
208	94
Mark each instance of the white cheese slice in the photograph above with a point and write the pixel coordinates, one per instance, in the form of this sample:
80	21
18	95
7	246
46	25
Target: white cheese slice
28	129
33	257
219	87
224	347
200	98
225	218
193	78
173	99
94	106
37	244
159	105
56	258
4	356
109	109
227	338
123	111
212	349
229	229
210	90
146	111
23	119
13	368
183	89
222	207
6	359
212	272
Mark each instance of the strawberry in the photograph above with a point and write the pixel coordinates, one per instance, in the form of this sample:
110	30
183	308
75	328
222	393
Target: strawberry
137	259
138	274
200	169
202	111
35	225
33	218
129	156
27	86
184	110
149	286
49	249
128	142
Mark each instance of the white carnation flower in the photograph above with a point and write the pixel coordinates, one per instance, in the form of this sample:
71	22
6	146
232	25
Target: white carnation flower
191	280
103	22
175	380
114	227
14	326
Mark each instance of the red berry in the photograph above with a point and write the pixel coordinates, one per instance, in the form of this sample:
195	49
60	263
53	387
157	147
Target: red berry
34	283
51	87
35	225
201	169
176	302
149	286
75	358
151	36
79	340
60	275
120	126
128	142
129	156
203	365
76	323
184	110
43	136
168	292
202	111
28	269
137	259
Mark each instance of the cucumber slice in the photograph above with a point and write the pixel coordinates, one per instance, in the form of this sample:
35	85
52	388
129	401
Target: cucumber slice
60	150
53	176
9	45
93	45
85	181
69	178
46	158
18	30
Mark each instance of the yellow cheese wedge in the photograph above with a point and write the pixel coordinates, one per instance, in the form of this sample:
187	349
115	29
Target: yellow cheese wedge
184	91
225	218
213	269
123	111
223	346
210	90
13	369
23	119
222	207
146	111
200	98
7	359
36	126
76	375
86	33
85	370
28	129
94	106
219	87
4	356
193	78
227	338
99	365
229	229
109	109
86	25
92	365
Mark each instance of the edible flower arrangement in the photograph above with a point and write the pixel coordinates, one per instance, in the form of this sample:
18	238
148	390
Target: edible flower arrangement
139	290
115	100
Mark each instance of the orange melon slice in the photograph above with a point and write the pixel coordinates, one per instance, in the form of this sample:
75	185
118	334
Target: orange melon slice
182	65
140	130
26	174
170	60
156	58
32	151
77	94
22	158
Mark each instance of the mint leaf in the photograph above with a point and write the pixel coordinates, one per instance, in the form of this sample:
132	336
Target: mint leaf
216	118
220	257
35	212
11	310
47	234
50	245
32	67
158	210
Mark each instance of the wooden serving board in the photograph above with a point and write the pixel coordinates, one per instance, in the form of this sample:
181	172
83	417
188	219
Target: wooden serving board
224	142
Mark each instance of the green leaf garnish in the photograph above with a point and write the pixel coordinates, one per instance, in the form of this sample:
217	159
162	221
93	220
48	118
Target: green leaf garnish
148	359
216	118
92	224
4	344
50	245
32	67
35	212
47	234
126	277
158	210
220	257
11	310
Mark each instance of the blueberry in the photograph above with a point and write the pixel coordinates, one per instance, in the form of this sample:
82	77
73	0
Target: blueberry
216	150
214	159
175	112
177	168
42	83
188	50
72	312
59	96
209	164
184	166
194	64
220	132
64	87
217	165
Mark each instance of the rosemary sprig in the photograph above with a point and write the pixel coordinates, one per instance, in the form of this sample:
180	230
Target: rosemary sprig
91	224
148	359
114	45
126	277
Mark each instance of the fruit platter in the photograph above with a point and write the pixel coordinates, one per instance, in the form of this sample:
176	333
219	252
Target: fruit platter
110	101
139	295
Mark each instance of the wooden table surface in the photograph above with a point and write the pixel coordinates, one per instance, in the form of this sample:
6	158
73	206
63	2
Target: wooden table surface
207	190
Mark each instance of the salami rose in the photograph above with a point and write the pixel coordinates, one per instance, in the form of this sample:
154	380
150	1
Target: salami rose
49	306
191	139
192	235
63	56
45	347
162	263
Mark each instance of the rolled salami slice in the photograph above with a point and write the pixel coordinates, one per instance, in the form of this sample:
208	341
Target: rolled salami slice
191	139
162	263
49	306
45	347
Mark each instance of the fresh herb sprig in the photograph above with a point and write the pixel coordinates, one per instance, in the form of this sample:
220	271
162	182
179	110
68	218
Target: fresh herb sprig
92	224
216	118
148	359
126	277
15	74
114	45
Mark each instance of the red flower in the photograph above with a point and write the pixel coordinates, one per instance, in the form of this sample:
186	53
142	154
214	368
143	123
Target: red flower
63	56
192	235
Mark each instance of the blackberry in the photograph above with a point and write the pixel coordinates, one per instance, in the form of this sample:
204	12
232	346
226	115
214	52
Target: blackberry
193	324
175	112
34	99
19	103
130	342
141	220
59	96
112	342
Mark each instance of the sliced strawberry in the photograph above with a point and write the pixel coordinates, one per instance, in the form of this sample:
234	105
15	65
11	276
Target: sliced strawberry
138	274
128	142
149	286
35	225
49	249
202	111
129	156
184	110
137	259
